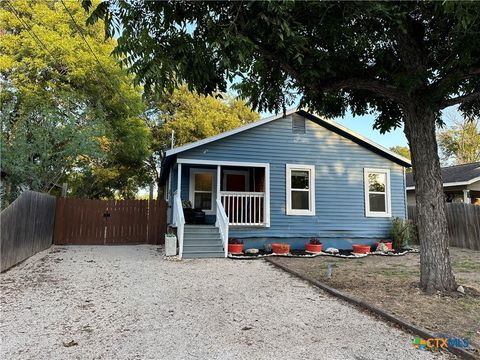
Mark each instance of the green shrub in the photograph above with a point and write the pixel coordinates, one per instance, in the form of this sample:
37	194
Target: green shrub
403	233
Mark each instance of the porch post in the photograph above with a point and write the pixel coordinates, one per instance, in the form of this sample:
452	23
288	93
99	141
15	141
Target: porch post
179	180
219	178
219	168
465	197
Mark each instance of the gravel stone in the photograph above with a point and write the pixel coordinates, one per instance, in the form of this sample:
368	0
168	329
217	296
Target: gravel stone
128	302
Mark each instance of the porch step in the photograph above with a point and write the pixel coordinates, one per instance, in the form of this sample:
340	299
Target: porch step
202	241
203	254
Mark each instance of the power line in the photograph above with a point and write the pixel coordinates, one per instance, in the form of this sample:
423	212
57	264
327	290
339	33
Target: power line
80	32
31	32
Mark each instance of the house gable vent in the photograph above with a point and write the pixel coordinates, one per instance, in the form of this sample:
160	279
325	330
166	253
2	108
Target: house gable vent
298	125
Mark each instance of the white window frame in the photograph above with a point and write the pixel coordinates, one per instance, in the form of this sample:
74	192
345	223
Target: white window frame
311	181
212	172
388	205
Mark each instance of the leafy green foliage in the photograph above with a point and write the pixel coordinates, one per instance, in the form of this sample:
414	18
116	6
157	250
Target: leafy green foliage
82	117
402	150
370	56
402	232
460	144
192	117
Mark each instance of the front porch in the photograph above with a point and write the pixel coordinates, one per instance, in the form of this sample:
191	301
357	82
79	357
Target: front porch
242	189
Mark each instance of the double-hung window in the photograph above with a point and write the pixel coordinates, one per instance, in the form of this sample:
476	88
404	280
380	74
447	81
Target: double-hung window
202	189
300	189
377	193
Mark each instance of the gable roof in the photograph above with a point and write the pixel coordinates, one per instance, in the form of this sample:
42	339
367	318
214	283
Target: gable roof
456	175
330	125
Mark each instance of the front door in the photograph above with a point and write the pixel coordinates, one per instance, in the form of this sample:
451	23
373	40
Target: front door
236	181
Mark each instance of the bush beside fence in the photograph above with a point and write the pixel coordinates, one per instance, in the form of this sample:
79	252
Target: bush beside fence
463	224
26	227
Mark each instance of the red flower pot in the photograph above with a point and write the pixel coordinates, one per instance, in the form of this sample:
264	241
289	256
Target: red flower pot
361	249
313	248
389	245
235	248
281	248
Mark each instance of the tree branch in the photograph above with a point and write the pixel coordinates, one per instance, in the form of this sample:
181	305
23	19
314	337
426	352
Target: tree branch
440	87
378	87
460	99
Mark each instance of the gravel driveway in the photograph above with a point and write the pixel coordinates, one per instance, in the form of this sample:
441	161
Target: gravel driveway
127	302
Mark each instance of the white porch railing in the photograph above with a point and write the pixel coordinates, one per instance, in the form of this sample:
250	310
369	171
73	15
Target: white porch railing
179	220
222	224
244	208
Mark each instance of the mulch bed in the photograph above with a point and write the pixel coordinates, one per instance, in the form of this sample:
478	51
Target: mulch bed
342	253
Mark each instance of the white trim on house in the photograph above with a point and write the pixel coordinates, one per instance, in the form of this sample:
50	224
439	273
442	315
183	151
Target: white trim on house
450	184
266	166
388	198
311	190
222	163
276	117
191	195
236	172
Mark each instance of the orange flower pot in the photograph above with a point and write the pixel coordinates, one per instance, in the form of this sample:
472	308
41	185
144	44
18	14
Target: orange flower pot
235	248
281	248
313	248
361	249
389	245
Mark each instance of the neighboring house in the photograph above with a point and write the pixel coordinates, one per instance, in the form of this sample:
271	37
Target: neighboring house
285	179
461	184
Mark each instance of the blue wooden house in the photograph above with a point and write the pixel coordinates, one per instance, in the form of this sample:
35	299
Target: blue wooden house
284	179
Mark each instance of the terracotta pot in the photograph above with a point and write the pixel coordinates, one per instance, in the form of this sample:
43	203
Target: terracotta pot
280	248
389	245
313	248
361	249
235	248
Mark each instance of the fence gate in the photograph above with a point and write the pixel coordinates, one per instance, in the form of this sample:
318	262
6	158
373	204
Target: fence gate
108	222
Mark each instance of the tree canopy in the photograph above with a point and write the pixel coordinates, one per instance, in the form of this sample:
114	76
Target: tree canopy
402	150
460	143
192	117
68	109
366	56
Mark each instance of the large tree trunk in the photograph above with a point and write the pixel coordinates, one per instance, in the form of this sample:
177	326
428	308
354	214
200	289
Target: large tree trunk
435	269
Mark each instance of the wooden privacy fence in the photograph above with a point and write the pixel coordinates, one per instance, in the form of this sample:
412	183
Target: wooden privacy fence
463	224
26	227
108	222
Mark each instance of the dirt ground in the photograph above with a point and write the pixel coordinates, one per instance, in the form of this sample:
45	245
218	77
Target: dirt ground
391	283
129	302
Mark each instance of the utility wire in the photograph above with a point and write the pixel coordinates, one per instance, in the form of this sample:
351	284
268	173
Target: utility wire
80	32
32	33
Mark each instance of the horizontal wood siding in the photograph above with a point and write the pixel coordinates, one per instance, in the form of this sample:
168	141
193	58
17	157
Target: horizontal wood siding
339	164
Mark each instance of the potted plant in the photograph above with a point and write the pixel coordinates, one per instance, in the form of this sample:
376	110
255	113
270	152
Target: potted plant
280	248
235	246
361	249
170	243
314	246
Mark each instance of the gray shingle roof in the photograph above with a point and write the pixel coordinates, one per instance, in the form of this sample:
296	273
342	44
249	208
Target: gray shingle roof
453	174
